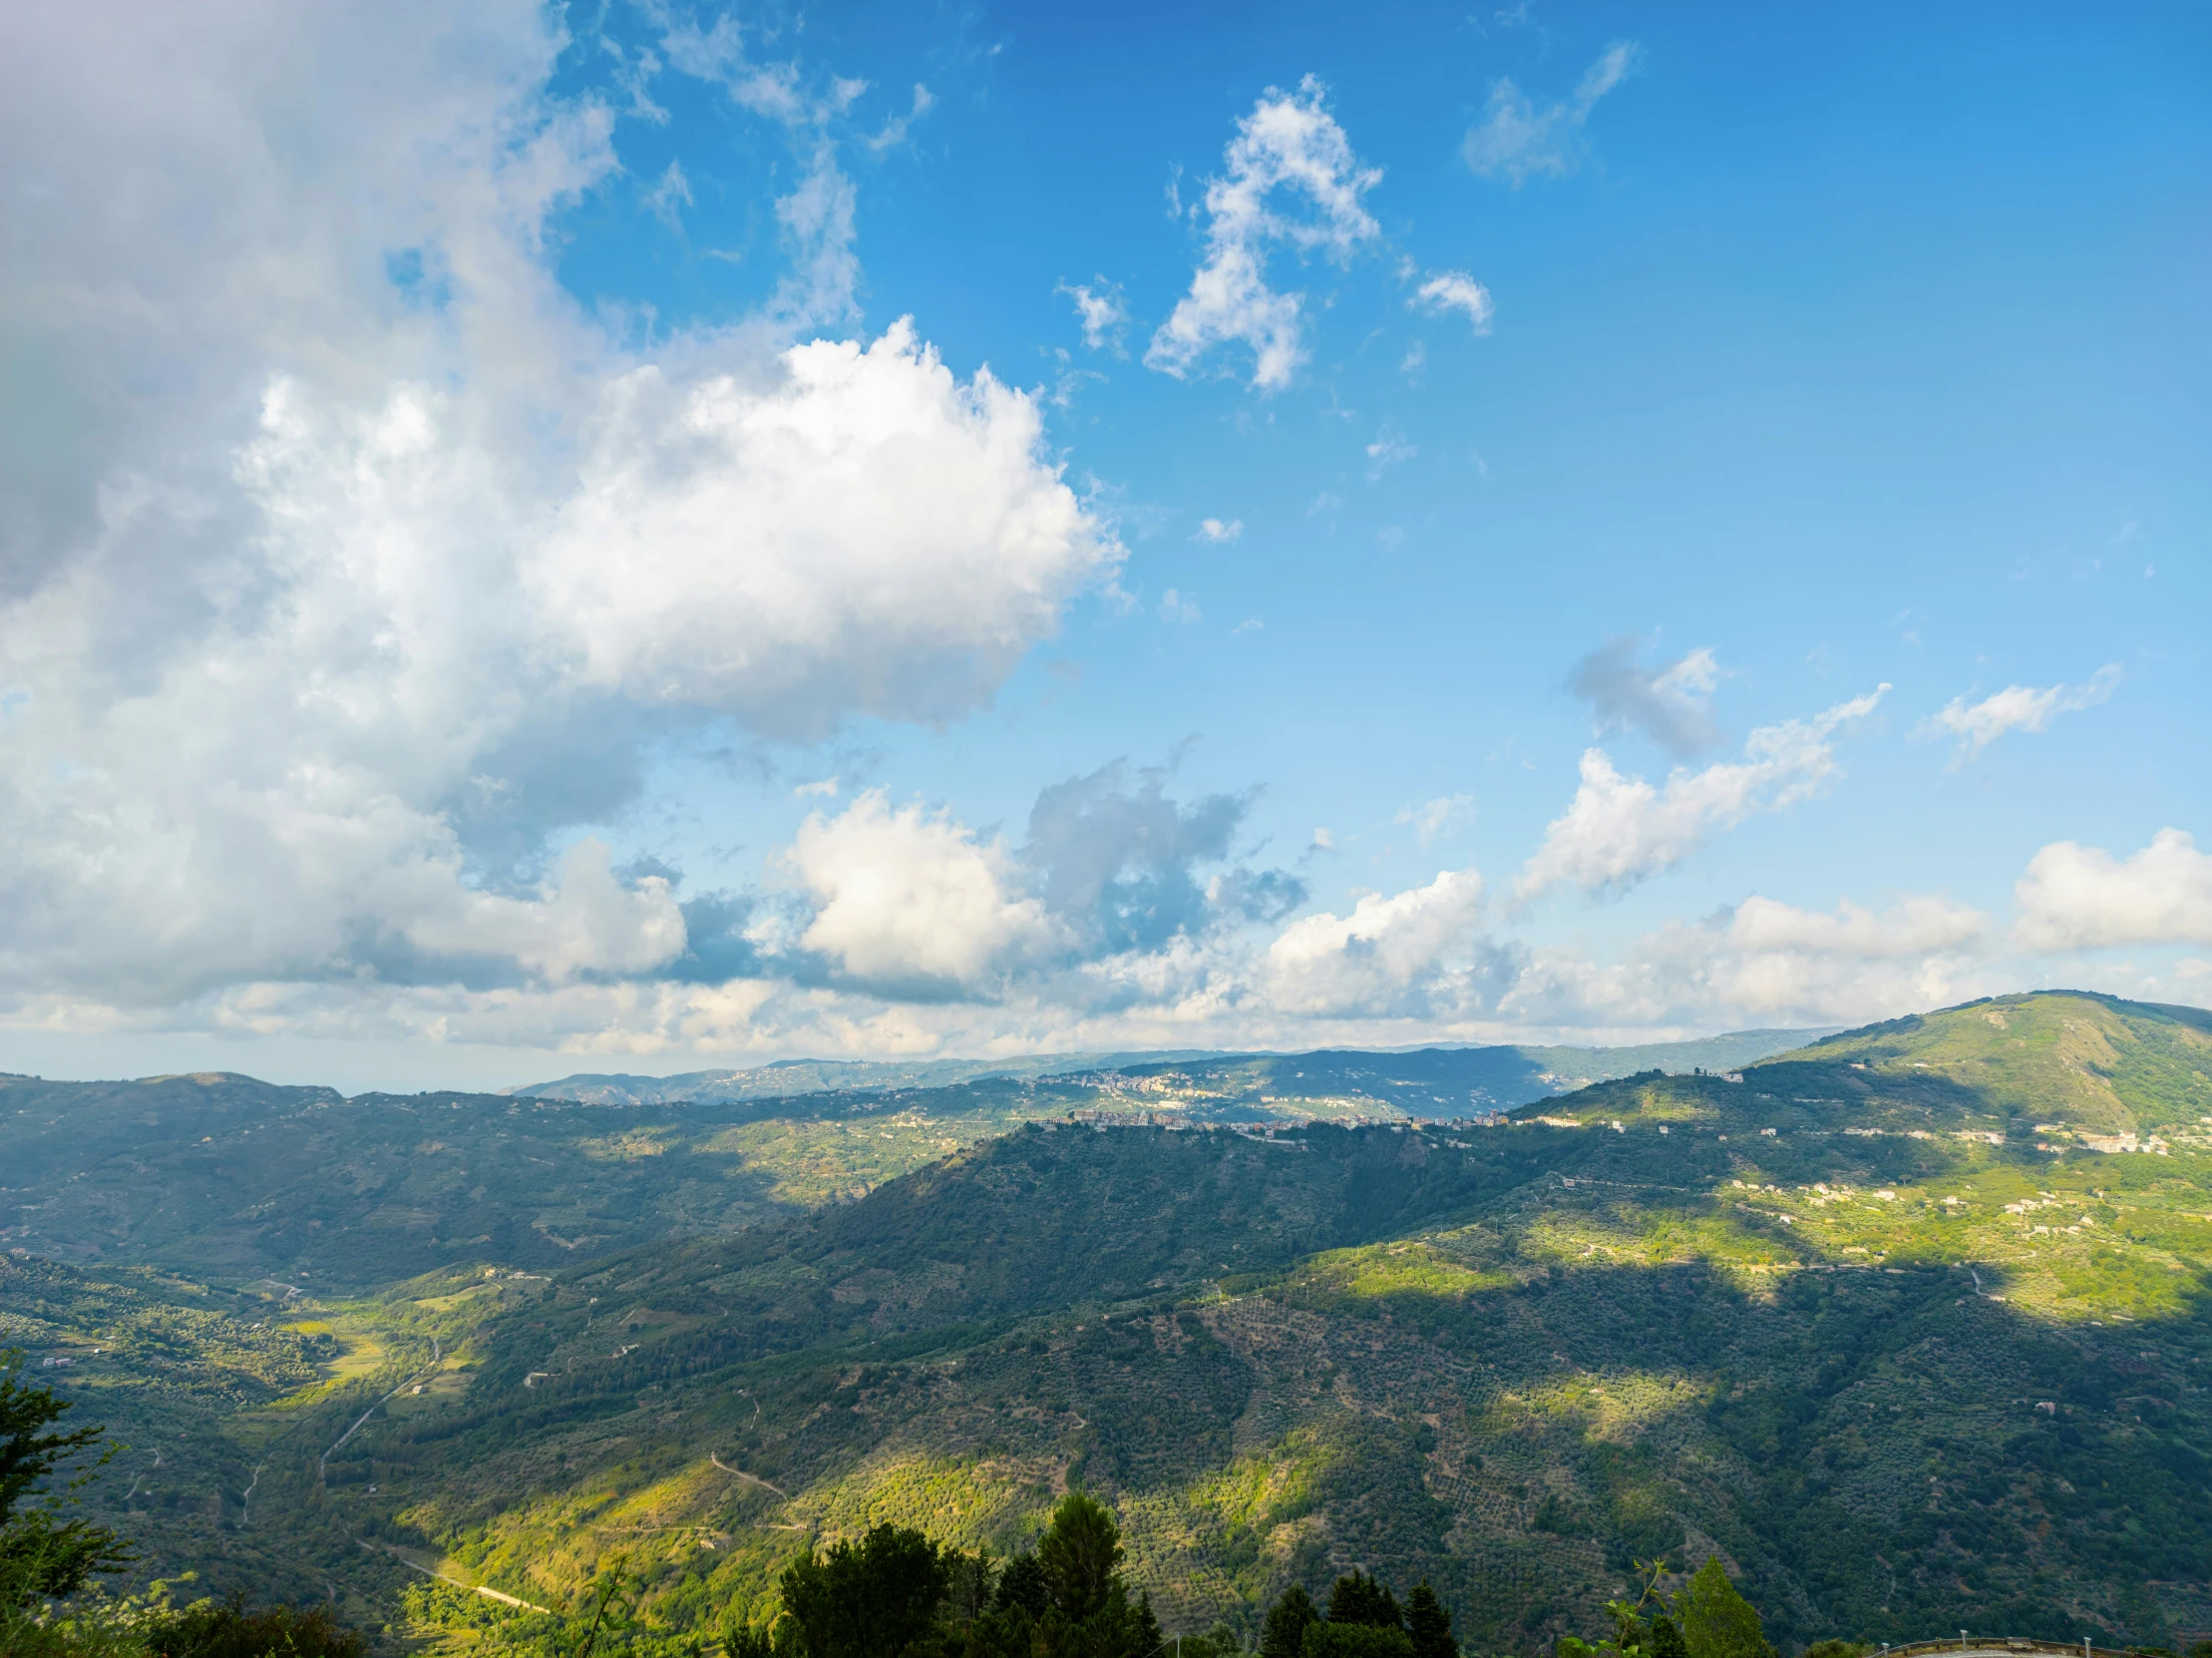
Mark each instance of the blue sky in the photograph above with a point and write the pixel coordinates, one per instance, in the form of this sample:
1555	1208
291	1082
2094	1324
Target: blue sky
472	500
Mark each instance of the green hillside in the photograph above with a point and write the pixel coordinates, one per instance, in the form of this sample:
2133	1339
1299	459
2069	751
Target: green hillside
225	1177
1868	1323
2084	1063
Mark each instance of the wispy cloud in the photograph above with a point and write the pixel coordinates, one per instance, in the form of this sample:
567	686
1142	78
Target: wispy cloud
1520	139
672	193
895	130
1390	448
2015	708
1177	608
1290	179
1455	290
1101	311
1439	816
1219	531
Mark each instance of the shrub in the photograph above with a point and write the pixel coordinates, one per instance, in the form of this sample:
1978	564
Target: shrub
232	1629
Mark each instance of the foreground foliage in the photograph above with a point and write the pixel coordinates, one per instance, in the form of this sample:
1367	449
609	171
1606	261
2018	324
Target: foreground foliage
45	1552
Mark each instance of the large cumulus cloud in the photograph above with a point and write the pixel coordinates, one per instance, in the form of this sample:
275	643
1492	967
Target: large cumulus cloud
349	566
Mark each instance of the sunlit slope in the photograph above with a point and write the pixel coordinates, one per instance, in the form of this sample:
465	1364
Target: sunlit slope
2062	1067
2091	1063
1508	1359
227	1178
231	1179
166	1367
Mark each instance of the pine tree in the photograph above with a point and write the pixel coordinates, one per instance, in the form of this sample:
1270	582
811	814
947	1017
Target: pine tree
1429	1624
1146	1635
1022	1584
42	1555
1359	1598
1283	1633
1079	1555
871	1599
1717	1621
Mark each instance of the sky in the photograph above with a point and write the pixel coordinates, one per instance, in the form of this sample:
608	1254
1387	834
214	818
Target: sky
649	537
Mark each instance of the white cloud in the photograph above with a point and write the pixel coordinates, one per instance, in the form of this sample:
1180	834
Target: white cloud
1219	532
867	534
376	565
1620	829
1289	146
1387	956
1919	926
1520	140
2015	708
1439	816
1101	311
584	921
1767	962
905	897
1177	608
1389	449
1455	290
2077	897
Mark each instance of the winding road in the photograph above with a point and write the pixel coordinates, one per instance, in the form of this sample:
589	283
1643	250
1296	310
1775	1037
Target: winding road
437	1358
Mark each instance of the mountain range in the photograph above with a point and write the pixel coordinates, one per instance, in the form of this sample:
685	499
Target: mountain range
1494	1074
1908	1325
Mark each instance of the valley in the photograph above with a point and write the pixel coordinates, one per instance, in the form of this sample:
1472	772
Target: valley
1909	1325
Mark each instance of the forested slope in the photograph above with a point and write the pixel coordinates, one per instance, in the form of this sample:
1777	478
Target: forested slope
1874	1322
1808	1320
225	1177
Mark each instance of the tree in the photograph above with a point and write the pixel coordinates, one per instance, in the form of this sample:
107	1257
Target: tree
1022	1584
1079	1555
871	1599
1429	1624
42	1555
741	1639
1359	1598
1282	1631
1716	1621
1144	1636
1358	1640
1065	1600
